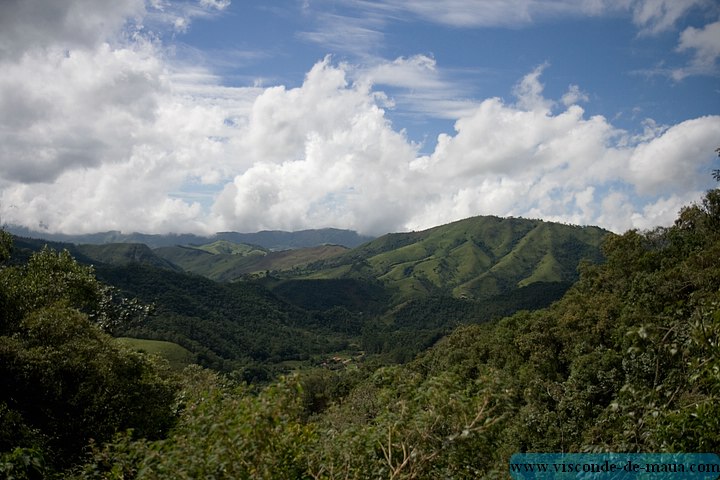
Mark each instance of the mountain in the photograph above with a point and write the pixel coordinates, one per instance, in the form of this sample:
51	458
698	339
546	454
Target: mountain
271	240
477	257
280	240
393	296
227	326
227	261
123	254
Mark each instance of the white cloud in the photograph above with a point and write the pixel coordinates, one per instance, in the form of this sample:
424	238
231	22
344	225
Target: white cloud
668	163
655	16
340	33
651	16
216	4
574	96
705	45
74	109
420	87
100	131
29	24
324	154
529	91
485	13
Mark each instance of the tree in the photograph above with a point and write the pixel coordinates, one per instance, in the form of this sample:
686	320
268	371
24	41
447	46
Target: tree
63	381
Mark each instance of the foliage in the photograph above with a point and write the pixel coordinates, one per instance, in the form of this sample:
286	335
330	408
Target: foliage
63	381
227	326
627	360
478	258
226	261
225	432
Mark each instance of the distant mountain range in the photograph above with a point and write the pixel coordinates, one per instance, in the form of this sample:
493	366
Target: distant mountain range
394	295
476	258
268	239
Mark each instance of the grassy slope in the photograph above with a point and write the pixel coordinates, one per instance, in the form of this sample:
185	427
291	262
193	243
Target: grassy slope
177	356
477	257
123	254
230	248
216	262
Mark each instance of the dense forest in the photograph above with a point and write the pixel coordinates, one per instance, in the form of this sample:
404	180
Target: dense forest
626	360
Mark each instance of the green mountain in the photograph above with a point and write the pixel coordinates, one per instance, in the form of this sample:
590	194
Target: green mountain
227	261
123	254
394	296
280	240
227	326
226	247
477	257
272	240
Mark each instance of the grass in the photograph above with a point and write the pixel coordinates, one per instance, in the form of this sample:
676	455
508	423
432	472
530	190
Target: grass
474	258
177	356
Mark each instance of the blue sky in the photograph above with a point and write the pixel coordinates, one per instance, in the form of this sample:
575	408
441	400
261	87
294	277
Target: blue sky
627	74
386	115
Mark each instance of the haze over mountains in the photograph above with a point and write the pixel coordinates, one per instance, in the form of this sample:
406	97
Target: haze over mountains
270	239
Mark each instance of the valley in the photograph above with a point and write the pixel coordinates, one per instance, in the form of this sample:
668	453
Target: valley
463	344
260	312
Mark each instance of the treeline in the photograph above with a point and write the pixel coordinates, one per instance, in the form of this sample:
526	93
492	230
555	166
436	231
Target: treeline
228	325
64	382
626	361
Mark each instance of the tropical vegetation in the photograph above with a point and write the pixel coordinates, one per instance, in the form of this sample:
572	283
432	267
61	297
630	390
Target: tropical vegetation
627	359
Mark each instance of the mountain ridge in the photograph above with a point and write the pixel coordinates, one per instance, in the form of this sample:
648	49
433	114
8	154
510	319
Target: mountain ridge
270	239
475	257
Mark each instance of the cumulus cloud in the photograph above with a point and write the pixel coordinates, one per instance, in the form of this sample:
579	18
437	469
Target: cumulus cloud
349	168
74	109
324	154
705	46
100	130
30	24
573	96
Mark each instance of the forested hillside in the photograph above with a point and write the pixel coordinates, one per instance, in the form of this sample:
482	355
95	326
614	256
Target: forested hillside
311	312
225	261
269	239
626	361
64	382
229	326
477	257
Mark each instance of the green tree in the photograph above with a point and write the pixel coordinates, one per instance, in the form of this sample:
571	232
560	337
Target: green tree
63	381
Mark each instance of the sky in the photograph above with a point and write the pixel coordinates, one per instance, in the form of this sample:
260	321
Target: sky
199	116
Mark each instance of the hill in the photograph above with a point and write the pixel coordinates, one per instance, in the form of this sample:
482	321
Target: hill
477	257
271	240
281	240
227	261
227	326
394	296
123	254
626	361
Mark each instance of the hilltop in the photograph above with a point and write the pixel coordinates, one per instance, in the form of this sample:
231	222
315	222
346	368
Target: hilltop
269	239
478	258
